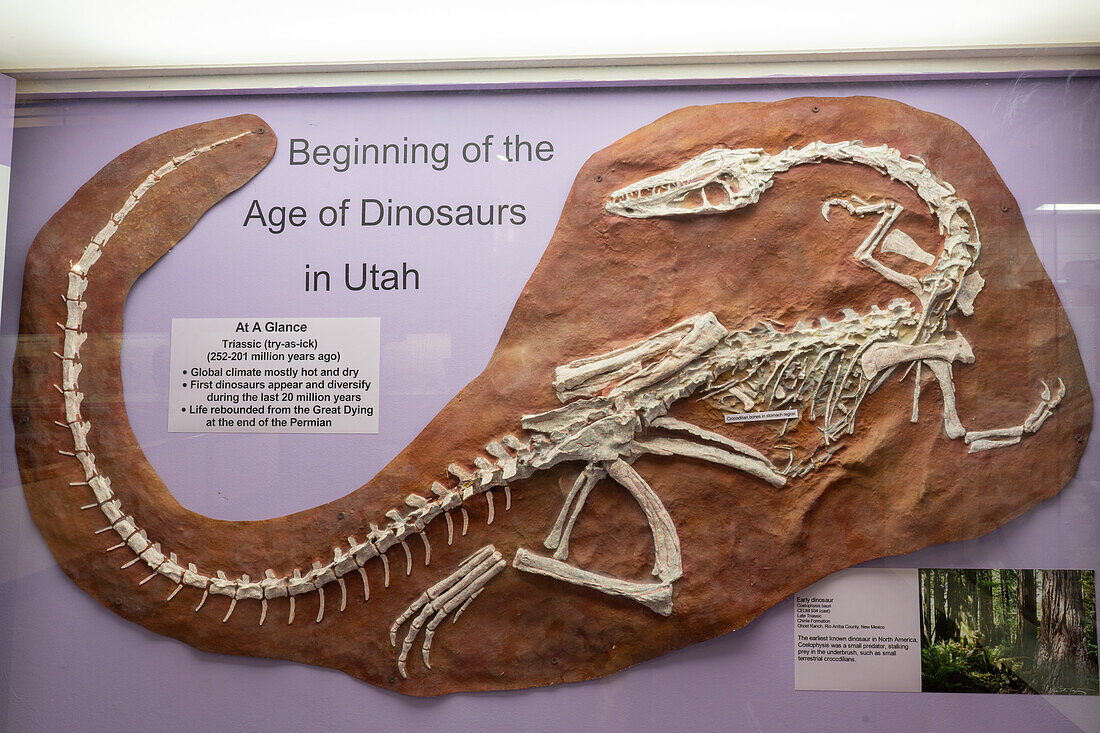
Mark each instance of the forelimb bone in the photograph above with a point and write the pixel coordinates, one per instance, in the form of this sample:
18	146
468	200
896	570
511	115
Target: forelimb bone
864	254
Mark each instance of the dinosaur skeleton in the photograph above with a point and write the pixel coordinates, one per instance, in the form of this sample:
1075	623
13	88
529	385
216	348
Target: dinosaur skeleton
616	404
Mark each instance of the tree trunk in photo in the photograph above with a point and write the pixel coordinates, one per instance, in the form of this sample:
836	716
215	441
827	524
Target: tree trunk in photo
1027	619
984	592
1008	606
943	629
926	608
1062	660
965	606
999	607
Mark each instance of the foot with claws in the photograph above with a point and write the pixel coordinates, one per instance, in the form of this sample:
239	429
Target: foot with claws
450	595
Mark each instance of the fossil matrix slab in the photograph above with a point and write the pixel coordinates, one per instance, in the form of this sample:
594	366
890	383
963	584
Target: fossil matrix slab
853	265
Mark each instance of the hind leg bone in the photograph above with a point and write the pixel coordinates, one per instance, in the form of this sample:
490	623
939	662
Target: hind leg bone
558	539
667	565
981	440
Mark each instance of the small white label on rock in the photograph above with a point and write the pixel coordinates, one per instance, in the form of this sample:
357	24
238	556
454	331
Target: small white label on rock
766	415
859	629
274	375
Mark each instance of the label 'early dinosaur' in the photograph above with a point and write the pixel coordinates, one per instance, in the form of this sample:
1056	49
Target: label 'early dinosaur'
696	257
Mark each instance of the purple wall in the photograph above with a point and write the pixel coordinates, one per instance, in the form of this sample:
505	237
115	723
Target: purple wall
68	662
7	102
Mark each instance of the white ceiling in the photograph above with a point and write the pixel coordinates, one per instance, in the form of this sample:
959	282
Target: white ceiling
52	35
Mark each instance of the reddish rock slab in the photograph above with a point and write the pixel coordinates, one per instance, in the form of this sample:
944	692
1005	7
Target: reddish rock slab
603	282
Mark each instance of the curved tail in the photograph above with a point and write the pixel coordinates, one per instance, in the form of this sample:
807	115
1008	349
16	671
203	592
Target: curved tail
75	446
72	432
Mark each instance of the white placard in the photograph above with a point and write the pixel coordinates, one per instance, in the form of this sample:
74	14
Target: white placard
274	375
859	629
763	415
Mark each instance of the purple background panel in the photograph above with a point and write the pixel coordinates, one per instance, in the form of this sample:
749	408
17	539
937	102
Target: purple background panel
7	102
70	663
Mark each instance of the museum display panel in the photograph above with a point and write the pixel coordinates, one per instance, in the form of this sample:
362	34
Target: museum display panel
628	368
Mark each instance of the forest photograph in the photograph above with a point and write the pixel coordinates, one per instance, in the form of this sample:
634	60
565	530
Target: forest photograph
1008	631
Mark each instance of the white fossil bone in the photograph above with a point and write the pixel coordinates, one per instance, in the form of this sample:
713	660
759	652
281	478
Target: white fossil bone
461	473
982	444
497	450
901	243
662	446
449	594
879	356
1049	401
655	596
969	288
558	539
427	549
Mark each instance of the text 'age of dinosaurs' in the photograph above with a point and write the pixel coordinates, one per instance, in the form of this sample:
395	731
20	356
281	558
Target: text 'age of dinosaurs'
855	263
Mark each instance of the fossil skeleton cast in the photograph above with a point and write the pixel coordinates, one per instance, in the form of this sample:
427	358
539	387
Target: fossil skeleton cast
616	404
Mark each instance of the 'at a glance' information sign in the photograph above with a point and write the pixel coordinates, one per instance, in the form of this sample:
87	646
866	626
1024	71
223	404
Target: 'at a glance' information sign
274	375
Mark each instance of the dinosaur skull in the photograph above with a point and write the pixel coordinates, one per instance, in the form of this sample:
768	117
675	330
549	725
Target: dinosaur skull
713	182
